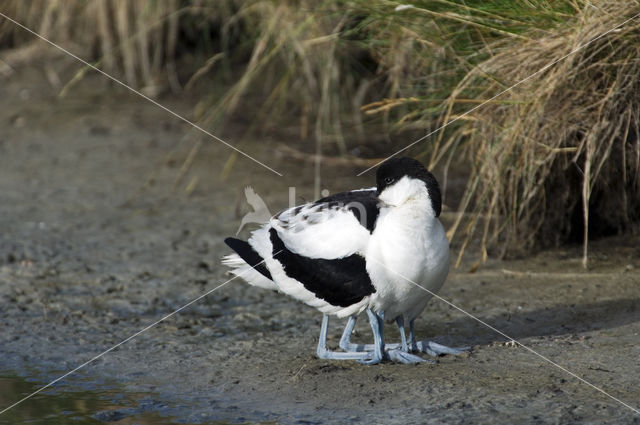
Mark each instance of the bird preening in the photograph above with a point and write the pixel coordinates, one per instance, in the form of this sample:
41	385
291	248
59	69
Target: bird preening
381	250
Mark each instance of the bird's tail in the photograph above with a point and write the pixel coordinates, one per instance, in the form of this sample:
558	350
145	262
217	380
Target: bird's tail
247	264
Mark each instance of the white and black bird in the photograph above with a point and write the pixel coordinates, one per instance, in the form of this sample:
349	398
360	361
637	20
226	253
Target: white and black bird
381	250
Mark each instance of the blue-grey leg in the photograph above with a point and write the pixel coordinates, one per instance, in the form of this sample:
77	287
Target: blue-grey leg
432	348
347	345
324	353
402	355
403	337
377	327
345	340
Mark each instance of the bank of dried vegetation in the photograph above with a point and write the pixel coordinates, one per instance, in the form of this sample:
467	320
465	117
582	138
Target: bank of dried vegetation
554	159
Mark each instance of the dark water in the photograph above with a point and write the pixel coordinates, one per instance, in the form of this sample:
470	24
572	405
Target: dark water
79	407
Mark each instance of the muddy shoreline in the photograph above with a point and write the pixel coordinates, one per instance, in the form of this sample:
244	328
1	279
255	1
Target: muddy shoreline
98	241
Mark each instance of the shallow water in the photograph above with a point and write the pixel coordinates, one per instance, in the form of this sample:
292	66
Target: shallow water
69	404
78	407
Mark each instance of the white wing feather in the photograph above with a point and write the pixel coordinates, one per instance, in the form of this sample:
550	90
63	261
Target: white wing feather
320	231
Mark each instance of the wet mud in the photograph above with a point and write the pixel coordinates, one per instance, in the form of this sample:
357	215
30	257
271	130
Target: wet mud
102	233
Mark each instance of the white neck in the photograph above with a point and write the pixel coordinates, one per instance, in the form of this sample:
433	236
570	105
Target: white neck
408	193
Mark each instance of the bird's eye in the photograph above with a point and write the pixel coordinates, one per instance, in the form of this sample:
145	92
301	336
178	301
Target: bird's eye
389	180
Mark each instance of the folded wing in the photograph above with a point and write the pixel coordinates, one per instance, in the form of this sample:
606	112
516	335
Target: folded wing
332	227
316	251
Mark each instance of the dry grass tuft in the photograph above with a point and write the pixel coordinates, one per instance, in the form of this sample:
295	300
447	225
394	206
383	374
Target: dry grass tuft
557	159
554	160
134	40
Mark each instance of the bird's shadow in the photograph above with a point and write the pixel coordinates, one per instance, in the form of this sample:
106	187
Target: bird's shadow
549	321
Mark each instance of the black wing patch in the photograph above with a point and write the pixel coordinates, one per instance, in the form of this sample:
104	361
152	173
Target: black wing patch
340	282
249	255
363	204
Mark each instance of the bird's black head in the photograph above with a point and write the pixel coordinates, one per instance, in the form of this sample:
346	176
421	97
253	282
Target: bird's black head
394	169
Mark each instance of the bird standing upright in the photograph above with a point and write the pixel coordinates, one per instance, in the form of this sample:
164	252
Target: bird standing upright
381	250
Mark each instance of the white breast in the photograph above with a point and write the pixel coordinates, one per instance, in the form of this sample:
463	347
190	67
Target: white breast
407	248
